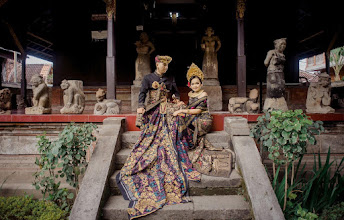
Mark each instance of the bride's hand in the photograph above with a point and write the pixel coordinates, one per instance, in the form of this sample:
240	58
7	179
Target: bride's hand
176	113
179	103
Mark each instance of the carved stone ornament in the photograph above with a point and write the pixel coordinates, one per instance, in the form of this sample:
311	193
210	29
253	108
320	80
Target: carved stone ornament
244	105
5	101
319	95
73	97
40	99
105	106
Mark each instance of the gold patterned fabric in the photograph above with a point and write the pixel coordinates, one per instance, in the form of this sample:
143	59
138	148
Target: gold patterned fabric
158	169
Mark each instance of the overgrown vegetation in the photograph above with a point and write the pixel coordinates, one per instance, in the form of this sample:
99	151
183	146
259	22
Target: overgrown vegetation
301	194
25	207
63	158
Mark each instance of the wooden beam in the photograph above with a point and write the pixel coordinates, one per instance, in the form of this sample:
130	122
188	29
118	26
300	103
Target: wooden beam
8	54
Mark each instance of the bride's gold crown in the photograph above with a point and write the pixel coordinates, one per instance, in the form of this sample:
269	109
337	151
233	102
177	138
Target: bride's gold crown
194	71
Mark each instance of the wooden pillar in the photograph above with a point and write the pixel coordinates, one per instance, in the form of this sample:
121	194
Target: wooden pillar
241	57
23	87
110	58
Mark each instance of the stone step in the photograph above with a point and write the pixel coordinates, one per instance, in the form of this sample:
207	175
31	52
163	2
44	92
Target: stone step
214	137
209	185
20	189
123	154
201	207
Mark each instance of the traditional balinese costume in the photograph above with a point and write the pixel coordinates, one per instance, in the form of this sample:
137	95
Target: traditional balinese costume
157	170
205	157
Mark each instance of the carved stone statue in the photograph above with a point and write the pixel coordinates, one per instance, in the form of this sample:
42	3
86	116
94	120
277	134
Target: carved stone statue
5	101
40	99
144	48
319	95
105	106
275	60
244	104
73	97
211	45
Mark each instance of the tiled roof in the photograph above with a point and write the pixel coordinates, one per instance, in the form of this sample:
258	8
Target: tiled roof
311	77
31	69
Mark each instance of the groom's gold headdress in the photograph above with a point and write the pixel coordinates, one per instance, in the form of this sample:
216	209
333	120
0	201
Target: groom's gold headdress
194	71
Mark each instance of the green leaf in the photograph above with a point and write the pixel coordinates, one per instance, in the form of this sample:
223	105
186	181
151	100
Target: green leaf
70	196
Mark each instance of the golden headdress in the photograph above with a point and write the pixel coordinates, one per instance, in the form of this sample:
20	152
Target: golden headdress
163	59
194	71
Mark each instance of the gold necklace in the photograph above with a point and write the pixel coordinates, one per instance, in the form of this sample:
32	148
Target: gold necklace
193	94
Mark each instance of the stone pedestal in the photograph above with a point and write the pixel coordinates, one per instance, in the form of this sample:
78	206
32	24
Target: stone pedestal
214	97
275	103
37	110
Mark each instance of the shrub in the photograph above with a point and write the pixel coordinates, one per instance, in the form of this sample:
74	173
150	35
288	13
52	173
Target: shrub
335	212
25	207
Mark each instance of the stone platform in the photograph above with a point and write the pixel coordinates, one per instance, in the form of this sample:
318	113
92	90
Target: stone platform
130	118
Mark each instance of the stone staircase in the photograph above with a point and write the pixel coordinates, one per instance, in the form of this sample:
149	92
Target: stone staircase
213	197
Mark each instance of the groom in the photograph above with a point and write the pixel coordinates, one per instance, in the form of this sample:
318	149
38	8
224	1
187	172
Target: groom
161	63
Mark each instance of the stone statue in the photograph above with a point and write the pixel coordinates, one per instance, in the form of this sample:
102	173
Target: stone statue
105	106
144	48
319	95
211	45
73	97
243	104
40	99
275	60
5	101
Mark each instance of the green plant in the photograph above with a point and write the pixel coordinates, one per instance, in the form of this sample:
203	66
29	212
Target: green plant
67	153
337	58
325	187
335	212
71	149
25	207
46	179
285	135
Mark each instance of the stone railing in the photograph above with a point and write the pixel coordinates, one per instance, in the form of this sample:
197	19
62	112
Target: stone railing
262	197
94	190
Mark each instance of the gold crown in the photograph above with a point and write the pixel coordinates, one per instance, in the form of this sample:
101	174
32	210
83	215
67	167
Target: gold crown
163	59
194	71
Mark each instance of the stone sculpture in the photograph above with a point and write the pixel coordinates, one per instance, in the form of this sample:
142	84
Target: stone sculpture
211	45
5	101
243	104
73	97
40	99
275	60
105	106
144	48
319	95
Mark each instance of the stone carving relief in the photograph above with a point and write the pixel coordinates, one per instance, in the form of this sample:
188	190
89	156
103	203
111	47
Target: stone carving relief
319	95
73	97
243	104
40	99
105	106
5	101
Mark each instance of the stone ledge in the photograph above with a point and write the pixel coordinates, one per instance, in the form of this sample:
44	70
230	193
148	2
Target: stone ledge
94	188
256	180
